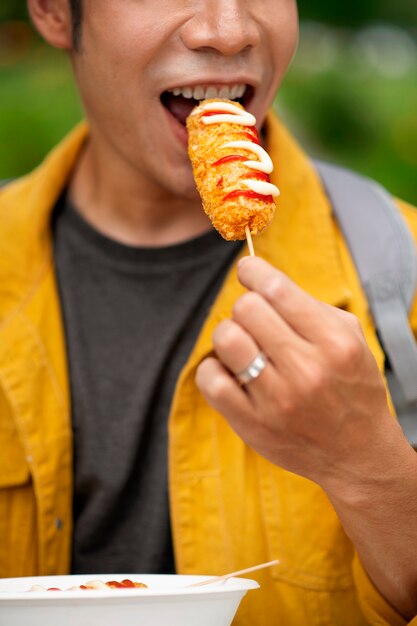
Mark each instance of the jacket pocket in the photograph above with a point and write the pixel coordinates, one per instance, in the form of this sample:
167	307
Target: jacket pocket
303	532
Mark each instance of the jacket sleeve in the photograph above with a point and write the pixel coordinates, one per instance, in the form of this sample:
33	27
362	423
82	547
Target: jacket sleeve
375	608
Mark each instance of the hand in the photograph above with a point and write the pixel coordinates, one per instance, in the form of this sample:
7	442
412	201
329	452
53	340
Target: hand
319	408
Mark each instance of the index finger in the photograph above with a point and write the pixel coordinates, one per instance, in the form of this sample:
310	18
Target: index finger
308	316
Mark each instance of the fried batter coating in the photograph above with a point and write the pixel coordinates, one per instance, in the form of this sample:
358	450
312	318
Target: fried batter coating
221	173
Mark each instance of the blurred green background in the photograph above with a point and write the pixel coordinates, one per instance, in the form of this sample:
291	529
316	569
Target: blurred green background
350	96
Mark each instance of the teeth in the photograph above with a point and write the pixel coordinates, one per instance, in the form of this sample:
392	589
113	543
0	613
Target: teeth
211	92
198	93
224	92
234	91
187	92
231	92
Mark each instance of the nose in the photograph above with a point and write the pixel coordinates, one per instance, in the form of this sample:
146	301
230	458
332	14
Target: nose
224	26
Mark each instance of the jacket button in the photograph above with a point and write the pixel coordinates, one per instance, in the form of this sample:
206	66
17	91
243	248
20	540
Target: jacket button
58	523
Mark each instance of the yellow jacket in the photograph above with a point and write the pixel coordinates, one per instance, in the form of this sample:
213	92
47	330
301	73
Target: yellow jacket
229	507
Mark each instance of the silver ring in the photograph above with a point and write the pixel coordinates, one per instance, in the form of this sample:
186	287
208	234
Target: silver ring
254	369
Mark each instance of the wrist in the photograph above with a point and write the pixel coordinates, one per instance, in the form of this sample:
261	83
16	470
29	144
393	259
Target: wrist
386	467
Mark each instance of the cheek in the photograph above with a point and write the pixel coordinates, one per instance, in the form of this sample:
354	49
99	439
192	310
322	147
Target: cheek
285	41
282	36
120	37
109	75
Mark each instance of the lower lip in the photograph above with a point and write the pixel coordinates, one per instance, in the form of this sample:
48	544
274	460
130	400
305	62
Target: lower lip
178	129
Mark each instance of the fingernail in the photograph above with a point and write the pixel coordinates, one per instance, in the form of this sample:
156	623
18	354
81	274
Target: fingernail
242	261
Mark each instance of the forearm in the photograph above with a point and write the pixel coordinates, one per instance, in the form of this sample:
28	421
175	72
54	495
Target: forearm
379	511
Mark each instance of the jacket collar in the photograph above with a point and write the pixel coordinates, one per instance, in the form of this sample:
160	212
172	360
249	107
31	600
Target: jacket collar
302	241
26	206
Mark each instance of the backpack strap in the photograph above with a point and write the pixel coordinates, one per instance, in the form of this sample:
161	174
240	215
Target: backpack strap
385	257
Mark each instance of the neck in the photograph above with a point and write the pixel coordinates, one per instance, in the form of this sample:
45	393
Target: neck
128	208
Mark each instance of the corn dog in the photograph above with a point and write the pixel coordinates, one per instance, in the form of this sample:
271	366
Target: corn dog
231	169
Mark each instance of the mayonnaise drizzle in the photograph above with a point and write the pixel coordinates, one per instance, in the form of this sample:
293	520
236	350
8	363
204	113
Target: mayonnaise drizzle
263	165
238	115
261	186
235	115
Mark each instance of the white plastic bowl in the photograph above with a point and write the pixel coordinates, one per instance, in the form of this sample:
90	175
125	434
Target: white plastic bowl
168	601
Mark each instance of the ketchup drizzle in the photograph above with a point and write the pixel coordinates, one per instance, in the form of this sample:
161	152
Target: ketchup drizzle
210	113
229	158
258	176
247	194
254	138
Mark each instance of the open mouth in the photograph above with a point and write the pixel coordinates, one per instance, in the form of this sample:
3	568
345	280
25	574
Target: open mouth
180	101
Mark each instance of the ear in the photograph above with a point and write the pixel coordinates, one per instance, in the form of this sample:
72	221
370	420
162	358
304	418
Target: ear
52	19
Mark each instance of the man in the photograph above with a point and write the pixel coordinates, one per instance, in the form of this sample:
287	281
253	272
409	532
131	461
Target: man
115	290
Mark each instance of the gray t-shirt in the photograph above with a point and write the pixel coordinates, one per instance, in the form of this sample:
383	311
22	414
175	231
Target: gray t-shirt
131	318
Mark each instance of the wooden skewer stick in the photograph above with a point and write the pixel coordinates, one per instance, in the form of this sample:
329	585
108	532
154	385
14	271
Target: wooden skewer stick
232	574
249	240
